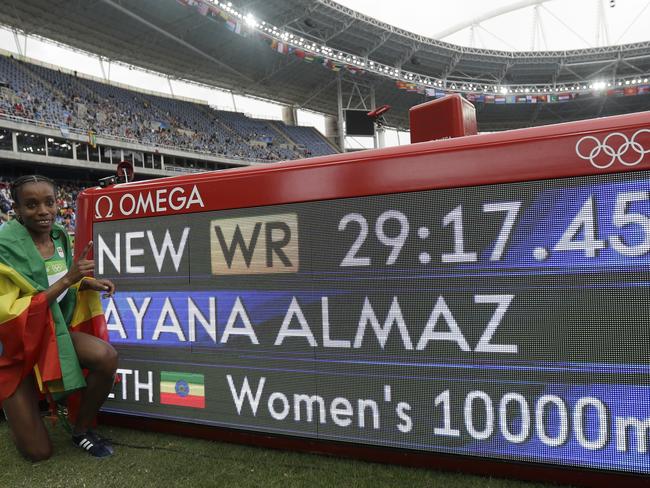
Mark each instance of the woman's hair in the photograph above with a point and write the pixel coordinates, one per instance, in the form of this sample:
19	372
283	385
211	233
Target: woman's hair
18	182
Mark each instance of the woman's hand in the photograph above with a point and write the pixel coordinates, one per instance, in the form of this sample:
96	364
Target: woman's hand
98	285
81	267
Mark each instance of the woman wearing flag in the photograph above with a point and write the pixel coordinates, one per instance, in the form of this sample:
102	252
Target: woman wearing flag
51	324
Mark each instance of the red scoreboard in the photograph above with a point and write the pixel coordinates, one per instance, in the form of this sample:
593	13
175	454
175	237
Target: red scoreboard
455	303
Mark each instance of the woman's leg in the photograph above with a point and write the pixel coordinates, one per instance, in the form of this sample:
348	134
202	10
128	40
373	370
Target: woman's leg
100	359
27	428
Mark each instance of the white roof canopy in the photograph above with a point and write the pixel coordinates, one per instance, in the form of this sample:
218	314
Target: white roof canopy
523	25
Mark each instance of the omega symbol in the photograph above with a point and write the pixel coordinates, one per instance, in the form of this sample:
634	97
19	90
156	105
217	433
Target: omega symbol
98	206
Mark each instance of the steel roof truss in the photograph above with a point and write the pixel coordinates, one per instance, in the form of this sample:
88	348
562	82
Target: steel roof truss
175	38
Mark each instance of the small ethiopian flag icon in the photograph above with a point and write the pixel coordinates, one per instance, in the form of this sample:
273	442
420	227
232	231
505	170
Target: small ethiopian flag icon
183	389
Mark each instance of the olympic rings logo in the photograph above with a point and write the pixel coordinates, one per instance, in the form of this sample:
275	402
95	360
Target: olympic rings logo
615	147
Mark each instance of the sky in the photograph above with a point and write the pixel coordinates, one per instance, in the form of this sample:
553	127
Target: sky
562	24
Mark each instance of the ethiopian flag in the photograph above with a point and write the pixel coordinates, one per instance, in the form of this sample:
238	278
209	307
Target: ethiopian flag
34	335
183	389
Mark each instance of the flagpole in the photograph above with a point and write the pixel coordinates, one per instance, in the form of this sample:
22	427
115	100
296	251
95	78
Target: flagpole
339	99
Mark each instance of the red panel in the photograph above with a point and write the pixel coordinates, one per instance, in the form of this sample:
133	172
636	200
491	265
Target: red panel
447	117
521	155
84	229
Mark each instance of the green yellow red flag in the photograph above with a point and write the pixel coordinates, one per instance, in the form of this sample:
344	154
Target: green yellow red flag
34	335
182	389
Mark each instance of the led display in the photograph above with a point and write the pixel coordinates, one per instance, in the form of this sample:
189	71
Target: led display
505	321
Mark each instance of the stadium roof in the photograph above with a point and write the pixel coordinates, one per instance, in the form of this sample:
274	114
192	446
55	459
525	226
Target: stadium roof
517	25
178	39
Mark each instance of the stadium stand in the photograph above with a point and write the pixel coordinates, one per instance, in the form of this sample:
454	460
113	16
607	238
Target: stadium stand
24	95
307	138
37	93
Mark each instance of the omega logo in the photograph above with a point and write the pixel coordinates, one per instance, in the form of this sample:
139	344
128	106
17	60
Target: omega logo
98	207
148	202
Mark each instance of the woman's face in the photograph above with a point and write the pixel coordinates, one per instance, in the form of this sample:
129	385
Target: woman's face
36	206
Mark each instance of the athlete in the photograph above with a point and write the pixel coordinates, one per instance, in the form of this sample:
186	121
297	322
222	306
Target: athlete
51	324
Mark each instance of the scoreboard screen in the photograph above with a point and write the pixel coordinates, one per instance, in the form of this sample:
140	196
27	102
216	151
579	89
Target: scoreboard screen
505	321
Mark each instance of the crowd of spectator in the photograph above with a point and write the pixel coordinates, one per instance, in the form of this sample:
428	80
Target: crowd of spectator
42	94
66	198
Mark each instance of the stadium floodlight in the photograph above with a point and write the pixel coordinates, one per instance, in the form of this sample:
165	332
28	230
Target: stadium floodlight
599	85
503	90
250	20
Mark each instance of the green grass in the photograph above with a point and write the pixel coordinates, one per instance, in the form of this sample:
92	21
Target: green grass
145	459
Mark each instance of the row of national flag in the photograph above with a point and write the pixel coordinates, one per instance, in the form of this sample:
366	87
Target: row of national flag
501	99
629	91
487	98
233	24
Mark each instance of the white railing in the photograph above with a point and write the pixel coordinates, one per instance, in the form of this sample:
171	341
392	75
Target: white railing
180	169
